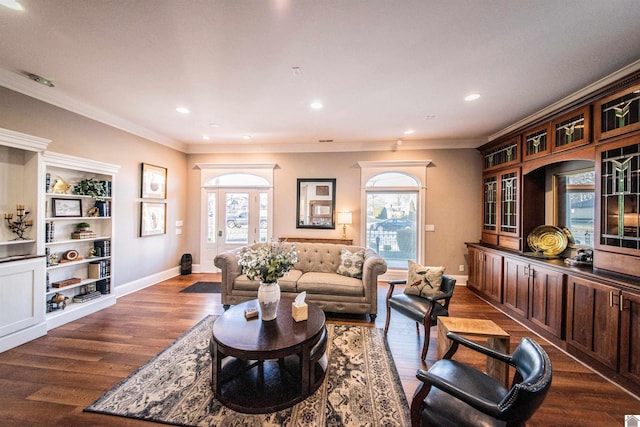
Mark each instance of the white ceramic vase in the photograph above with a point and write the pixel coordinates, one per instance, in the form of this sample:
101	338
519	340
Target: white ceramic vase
269	298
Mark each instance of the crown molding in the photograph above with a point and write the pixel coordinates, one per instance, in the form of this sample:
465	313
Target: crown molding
19	83
564	102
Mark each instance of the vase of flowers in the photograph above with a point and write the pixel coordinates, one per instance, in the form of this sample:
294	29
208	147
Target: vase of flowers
267	263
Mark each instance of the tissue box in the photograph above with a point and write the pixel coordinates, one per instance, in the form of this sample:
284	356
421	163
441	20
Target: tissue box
300	312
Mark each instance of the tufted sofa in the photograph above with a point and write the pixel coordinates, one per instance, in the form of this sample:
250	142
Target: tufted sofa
316	273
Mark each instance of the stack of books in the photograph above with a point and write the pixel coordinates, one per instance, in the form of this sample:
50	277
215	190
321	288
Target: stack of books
86	297
86	234
102	247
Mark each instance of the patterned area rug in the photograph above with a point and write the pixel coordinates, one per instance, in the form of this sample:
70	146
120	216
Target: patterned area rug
203	288
361	388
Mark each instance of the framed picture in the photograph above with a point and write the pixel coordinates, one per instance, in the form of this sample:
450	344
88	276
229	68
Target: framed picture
154	182
66	207
152	218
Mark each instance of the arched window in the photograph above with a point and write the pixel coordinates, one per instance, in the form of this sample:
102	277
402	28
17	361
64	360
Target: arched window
393	200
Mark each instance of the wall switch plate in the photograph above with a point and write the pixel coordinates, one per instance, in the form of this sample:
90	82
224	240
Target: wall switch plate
461	267
179	223
178	230
429	227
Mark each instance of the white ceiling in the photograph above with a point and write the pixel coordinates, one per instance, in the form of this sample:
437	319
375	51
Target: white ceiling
379	66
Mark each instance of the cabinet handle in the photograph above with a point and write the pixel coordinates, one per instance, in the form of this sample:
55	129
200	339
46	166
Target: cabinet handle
610	298
621	301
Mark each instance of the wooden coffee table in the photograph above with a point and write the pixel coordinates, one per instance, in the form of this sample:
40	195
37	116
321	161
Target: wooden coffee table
497	339
261	367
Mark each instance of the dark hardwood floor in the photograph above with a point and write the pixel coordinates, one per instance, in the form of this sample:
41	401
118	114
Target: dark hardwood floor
51	379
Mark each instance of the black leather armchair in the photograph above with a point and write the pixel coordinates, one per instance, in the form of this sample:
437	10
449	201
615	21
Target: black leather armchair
423	310
455	394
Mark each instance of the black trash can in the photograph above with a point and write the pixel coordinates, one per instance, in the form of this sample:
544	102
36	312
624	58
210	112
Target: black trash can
185	264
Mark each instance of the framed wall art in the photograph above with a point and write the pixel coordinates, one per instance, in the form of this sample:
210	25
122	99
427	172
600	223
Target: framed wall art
152	218
66	207
153	182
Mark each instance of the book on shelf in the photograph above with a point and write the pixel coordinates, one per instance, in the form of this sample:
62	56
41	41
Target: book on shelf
102	247
89	296
104	207
87	234
49	229
104	286
99	269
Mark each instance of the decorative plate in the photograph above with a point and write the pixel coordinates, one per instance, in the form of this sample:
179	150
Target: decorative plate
548	239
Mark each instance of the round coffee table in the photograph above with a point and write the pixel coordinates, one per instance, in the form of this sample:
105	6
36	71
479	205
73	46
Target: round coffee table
261	367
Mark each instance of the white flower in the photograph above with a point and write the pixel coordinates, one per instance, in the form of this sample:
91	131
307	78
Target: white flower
268	262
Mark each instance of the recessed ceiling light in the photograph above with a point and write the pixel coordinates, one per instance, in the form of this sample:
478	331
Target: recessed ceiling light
472	97
214	125
246	136
11	4
316	105
430	117
206	137
41	80
183	110
409	132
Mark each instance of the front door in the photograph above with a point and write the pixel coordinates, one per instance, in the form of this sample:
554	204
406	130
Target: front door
234	218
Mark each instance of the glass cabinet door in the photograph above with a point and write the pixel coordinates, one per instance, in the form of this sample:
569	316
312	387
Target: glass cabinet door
509	186
620	195
490	202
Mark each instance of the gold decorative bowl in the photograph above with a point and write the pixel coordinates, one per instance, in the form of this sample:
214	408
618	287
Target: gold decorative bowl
548	240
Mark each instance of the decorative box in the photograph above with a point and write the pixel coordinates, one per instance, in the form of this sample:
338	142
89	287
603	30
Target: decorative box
300	312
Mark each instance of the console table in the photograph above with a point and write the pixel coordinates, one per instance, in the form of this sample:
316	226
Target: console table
315	240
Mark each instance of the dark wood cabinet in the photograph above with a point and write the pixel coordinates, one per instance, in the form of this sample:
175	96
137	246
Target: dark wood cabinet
492	276
571	130
593	319
535	293
501	208
547	300
475	270
630	336
502	154
485	273
536	143
516	286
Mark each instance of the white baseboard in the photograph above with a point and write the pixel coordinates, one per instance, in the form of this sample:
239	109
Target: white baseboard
145	282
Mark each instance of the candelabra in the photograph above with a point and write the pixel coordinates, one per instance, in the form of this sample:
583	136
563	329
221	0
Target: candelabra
21	224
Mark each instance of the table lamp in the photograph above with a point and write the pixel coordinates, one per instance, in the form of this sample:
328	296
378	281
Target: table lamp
344	218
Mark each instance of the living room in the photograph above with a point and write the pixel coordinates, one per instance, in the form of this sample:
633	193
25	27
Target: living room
453	179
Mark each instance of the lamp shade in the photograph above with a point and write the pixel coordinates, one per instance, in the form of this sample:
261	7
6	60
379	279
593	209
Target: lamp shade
344	217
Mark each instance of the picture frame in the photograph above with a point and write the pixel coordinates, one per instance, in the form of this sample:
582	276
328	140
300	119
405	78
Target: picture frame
153	218
70	208
153	182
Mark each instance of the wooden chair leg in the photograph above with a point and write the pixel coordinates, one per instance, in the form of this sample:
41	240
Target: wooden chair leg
386	323
427	336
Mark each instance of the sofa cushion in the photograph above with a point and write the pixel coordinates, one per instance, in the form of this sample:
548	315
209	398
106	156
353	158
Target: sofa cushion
287	282
324	258
330	283
423	280
351	263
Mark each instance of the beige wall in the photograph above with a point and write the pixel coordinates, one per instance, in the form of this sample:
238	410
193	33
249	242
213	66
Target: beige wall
453	195
134	257
453	187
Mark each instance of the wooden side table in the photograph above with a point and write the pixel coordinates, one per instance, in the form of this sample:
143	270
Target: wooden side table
497	339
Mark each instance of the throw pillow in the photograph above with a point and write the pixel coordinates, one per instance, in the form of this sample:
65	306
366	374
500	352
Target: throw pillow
351	263
423	280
